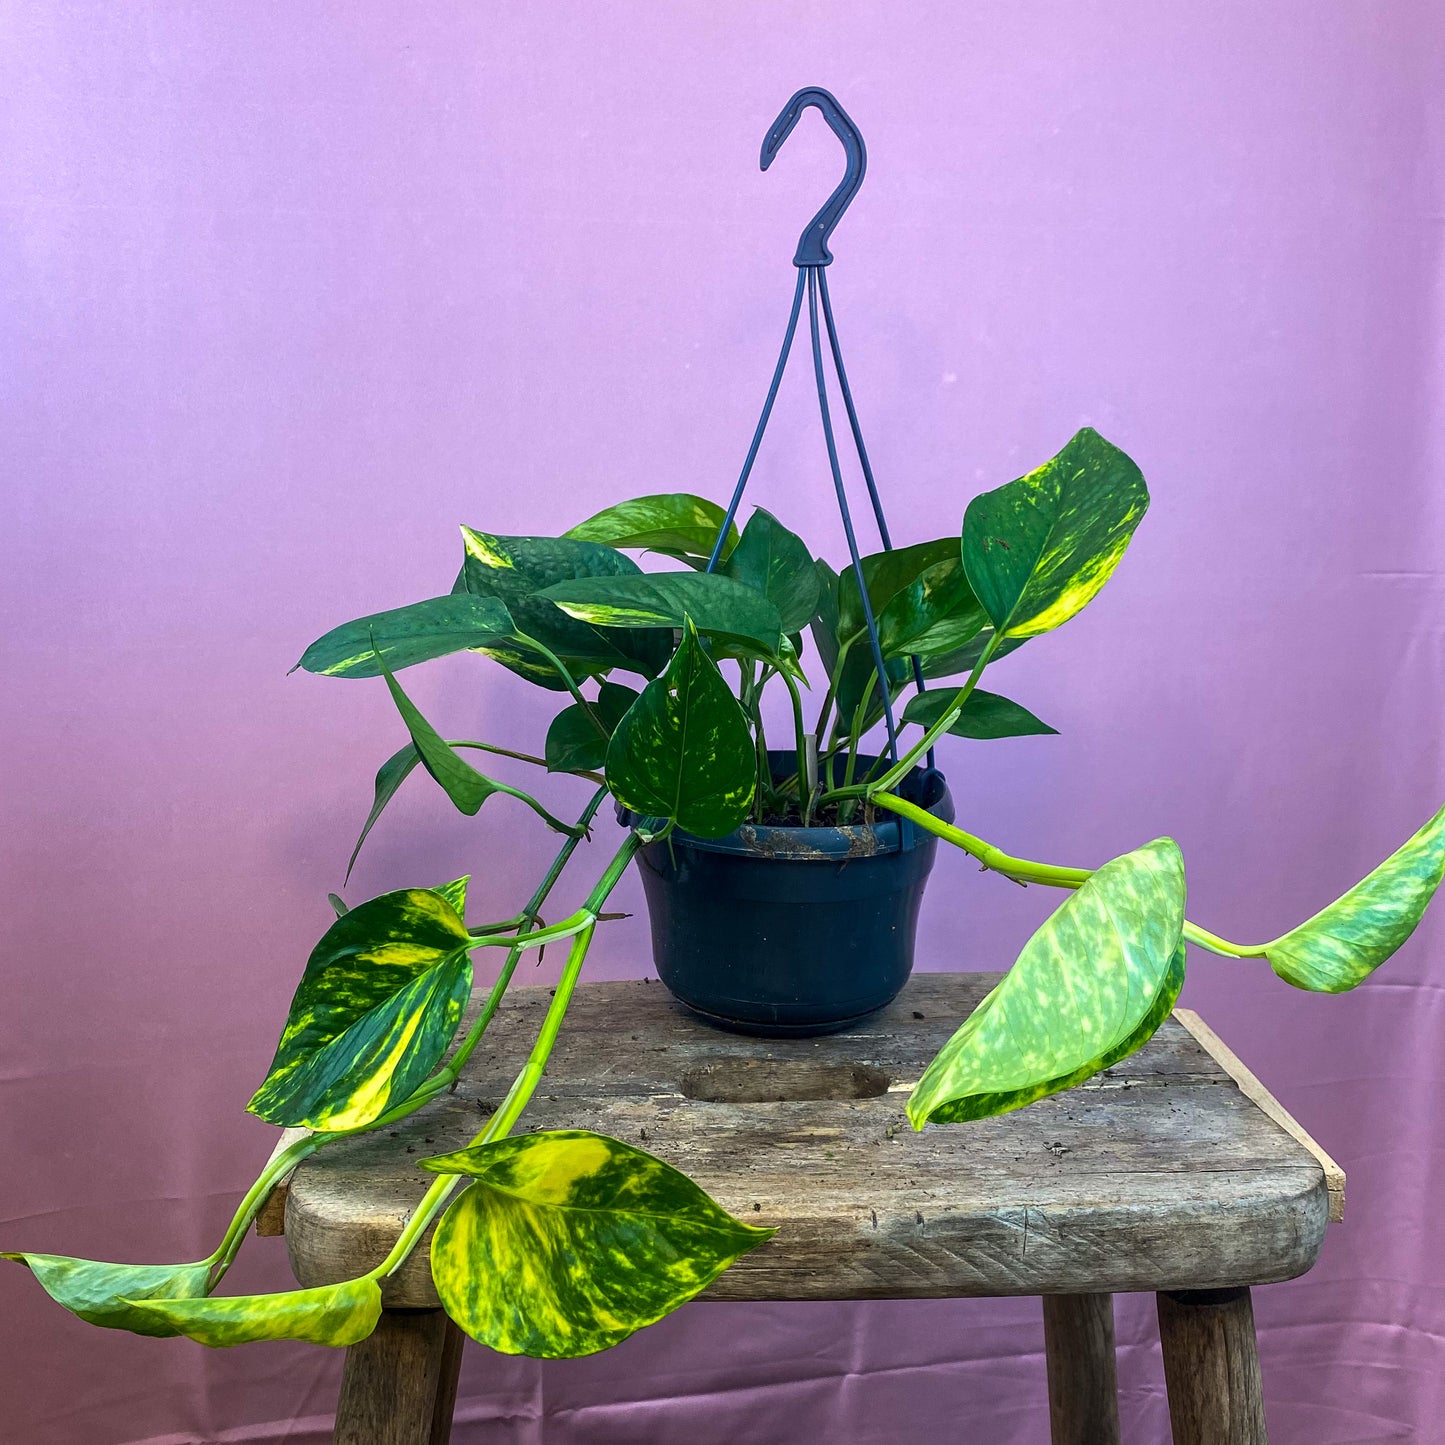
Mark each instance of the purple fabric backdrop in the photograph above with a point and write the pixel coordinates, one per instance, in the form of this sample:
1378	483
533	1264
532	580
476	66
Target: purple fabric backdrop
289	291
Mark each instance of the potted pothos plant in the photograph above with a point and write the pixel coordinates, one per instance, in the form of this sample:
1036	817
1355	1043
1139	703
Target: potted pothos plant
662	675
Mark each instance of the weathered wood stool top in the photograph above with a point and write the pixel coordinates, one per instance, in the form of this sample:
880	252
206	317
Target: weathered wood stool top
1167	1172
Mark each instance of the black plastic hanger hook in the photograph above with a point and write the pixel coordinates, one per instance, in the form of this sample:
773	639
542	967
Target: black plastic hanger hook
813	244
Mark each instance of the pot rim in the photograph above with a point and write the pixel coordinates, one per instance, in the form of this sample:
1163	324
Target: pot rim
889	834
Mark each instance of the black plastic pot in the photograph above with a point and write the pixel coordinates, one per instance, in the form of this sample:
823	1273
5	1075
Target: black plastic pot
792	931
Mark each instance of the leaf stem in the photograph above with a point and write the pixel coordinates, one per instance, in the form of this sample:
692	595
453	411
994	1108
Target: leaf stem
565	674
1025	870
525	1084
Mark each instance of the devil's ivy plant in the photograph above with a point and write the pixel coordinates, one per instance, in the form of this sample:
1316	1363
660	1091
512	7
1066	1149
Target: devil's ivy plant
563	1243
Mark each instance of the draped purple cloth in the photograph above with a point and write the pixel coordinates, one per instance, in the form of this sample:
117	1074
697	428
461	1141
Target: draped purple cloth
290	291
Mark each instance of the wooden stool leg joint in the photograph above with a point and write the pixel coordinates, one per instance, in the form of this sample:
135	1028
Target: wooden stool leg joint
1083	1384
1211	1367
399	1385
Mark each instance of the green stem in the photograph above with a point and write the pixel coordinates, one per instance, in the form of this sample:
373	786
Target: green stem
565	675
254	1198
800	744
525	1084
438	1083
831	695
520	757
905	764
1025	870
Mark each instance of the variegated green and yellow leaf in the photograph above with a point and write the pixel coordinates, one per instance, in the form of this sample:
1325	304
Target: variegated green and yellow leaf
984	715
677	524
376	1008
717	605
567	1242
1090	987
108	1294
776	562
1343	944
517	569
408	635
684	751
936	613
333	1314
887	574
1038	550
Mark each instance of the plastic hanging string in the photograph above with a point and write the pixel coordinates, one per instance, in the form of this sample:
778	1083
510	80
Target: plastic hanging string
811	259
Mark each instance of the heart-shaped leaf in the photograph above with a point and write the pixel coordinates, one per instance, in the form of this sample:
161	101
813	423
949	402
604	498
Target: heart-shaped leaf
1343	944
463	784
684	751
577	740
1090	987
1038	549
517	569
674	523
776	562
333	1314
936	613
570	1241
887	574
408	635
106	1294
717	605
375	1010
984	715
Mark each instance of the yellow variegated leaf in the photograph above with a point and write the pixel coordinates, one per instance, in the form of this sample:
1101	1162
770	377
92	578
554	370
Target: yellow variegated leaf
569	1241
683	750
334	1314
1343	944
109	1294
1090	987
1037	550
375	1010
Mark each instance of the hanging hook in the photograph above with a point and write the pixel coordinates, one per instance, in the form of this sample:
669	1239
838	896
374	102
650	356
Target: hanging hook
813	244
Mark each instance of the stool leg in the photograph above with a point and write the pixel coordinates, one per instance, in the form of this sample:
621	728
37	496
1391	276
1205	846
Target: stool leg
1211	1367
1083	1385
399	1385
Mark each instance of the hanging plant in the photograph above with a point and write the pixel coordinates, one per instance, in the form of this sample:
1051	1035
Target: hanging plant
562	1243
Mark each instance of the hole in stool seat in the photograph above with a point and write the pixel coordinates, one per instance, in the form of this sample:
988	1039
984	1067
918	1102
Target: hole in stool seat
776	1081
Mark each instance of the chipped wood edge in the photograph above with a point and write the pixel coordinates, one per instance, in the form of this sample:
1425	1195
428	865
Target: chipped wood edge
1266	1102
271	1217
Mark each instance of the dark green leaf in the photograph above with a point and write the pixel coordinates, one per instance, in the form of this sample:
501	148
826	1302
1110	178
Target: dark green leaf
516	569
1090	987
334	1314
463	784
1038	549
375	1010
577	740
684	750
776	562
887	574
105	1294
936	613
717	605
408	635
827	621
569	1241
984	715
674	523
1343	944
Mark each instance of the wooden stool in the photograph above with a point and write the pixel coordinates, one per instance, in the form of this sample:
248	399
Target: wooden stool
1173	1172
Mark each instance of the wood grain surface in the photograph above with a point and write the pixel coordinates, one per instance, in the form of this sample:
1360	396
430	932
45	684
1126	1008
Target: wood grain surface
1158	1174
